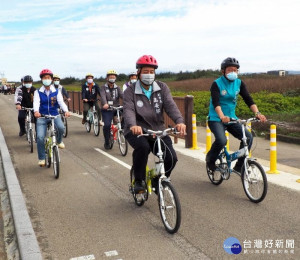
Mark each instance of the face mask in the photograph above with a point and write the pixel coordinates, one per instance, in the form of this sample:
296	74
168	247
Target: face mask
112	80
147	79
56	82
232	76
89	81
132	81
28	85
47	82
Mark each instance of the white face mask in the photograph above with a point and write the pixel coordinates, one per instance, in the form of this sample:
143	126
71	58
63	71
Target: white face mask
56	82
47	82
112	80
28	85
90	81
133	81
147	79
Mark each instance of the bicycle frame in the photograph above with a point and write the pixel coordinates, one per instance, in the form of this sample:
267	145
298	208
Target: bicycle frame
243	152
50	139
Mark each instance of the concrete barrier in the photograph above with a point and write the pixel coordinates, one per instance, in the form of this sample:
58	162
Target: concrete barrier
26	239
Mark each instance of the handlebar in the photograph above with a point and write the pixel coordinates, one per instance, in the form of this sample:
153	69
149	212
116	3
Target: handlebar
27	108
159	133
48	116
115	108
243	121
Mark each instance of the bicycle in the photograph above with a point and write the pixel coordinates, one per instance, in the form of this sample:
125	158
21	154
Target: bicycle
65	122
168	200
51	147
253	176
117	133
92	118
30	134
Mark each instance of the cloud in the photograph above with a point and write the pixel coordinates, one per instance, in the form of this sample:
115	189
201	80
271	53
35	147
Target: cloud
73	37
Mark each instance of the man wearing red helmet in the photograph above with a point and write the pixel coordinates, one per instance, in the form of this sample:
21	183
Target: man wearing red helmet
144	104
47	99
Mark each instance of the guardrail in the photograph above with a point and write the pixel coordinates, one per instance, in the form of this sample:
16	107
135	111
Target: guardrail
185	105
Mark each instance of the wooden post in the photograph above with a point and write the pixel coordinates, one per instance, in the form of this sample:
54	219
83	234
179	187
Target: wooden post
188	112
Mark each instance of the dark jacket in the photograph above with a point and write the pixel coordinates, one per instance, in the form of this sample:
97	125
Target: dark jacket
111	94
25	98
140	111
90	95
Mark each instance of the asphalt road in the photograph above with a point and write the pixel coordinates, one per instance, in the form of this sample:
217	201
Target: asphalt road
89	211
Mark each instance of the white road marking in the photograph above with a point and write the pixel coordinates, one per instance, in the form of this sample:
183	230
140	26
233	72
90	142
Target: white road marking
86	257
111	253
114	158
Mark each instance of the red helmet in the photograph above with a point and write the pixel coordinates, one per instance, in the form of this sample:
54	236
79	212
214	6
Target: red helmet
146	60
46	72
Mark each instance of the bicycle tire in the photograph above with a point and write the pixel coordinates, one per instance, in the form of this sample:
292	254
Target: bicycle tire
65	121
96	124
55	162
48	155
111	139
171	212
123	144
256	176
31	140
216	176
139	202
88	126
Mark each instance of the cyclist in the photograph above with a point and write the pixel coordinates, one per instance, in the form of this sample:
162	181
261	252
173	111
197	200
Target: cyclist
24	98
132	78
56	82
89	91
223	101
46	101
144	104
109	92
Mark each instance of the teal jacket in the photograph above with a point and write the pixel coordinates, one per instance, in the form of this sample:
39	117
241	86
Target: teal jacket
229	91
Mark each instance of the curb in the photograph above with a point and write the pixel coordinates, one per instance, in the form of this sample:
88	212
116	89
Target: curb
27	241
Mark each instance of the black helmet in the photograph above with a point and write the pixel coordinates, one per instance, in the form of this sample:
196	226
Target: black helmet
229	62
28	78
22	79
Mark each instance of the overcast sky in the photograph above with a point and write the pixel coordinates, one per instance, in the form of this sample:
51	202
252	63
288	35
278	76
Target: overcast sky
73	37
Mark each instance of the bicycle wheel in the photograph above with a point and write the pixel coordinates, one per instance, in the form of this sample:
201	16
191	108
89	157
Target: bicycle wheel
169	207
96	124
139	199
55	162
111	139
123	145
88	126
48	154
254	181
216	176
31	140
64	120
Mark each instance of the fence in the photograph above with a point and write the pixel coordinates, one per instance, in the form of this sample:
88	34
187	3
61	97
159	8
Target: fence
185	105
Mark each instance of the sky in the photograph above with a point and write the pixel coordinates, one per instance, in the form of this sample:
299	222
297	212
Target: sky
74	37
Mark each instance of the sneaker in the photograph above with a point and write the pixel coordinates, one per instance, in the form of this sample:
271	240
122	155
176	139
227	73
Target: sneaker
83	121
139	187
106	146
211	166
21	133
61	145
42	163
